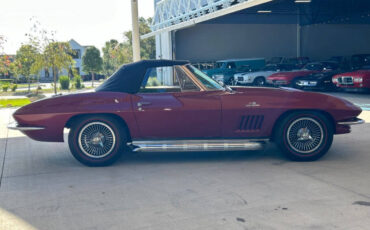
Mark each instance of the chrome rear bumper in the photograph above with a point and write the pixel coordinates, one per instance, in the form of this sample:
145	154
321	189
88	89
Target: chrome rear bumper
16	126
356	121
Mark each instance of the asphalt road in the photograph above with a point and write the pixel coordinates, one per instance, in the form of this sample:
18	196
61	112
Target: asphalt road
44	187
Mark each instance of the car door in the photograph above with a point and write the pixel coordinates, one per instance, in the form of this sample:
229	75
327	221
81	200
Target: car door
183	114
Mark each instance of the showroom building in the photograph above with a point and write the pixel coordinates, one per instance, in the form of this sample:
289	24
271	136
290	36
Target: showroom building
210	30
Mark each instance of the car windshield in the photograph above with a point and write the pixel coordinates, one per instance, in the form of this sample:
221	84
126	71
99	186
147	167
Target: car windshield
208	82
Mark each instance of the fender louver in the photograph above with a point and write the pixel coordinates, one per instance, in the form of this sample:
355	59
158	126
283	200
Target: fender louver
251	122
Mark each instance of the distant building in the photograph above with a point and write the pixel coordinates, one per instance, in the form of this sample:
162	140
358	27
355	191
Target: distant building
79	51
46	75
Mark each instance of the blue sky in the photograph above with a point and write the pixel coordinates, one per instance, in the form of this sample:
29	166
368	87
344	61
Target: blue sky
88	22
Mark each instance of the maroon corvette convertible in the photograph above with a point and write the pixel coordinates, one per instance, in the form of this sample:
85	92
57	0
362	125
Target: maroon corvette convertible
163	105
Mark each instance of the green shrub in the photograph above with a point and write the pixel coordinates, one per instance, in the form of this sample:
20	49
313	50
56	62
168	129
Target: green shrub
5	87
152	81
14	87
5	81
77	82
64	82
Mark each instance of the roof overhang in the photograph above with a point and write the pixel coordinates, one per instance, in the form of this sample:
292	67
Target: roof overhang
206	17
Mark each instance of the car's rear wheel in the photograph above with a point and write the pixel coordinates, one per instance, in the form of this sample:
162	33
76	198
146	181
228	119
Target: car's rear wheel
259	81
304	136
97	140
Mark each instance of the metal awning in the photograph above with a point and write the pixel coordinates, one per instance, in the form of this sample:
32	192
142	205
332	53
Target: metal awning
178	14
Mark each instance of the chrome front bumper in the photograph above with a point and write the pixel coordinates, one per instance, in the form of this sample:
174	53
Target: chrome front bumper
357	121
16	126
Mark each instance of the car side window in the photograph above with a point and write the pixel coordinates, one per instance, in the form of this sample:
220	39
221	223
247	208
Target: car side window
185	82
166	79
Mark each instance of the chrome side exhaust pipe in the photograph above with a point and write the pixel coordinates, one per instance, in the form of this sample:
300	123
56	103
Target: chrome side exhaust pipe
197	145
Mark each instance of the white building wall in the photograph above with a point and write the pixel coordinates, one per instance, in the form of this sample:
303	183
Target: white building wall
163	43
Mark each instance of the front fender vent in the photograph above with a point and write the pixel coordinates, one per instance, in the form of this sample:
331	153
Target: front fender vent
251	123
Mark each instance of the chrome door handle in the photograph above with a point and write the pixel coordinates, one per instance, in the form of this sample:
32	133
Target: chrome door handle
139	104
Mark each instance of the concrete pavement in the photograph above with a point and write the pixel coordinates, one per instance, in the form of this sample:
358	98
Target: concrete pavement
44	187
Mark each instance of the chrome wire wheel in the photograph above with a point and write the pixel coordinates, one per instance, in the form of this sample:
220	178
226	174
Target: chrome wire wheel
305	135
96	139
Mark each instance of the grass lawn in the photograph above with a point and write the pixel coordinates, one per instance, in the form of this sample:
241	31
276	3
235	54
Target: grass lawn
14	102
50	90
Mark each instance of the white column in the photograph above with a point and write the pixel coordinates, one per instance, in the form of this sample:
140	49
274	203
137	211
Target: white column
164	51
135	31
299	34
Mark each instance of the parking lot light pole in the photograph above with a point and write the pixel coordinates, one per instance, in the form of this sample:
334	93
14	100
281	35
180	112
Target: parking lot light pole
135	31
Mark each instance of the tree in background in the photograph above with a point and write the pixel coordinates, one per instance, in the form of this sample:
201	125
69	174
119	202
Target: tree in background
6	65
57	56
4	59
115	54
147	46
92	62
110	52
26	62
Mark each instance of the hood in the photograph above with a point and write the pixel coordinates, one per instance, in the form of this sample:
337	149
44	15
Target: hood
267	90
289	75
339	108
318	76
358	73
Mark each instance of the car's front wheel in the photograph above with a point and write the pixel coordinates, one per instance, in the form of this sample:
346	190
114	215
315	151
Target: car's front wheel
259	81
96	140
304	136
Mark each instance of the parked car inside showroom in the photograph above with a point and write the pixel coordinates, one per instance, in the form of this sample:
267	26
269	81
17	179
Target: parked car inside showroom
259	78
317	81
224	70
360	61
290	78
165	105
353	81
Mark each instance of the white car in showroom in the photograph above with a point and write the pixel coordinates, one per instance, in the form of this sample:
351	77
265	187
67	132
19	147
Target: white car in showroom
259	77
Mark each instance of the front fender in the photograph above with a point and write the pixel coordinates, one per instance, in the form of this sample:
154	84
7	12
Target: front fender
54	113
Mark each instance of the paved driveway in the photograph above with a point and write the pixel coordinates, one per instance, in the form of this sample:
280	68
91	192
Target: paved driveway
43	187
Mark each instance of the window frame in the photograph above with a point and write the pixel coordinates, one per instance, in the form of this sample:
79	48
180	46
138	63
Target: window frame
188	74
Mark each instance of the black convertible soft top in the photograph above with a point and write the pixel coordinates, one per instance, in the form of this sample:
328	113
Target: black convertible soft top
128	78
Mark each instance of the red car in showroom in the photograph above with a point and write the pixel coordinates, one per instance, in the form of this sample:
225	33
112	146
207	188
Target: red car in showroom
164	105
290	78
353	81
